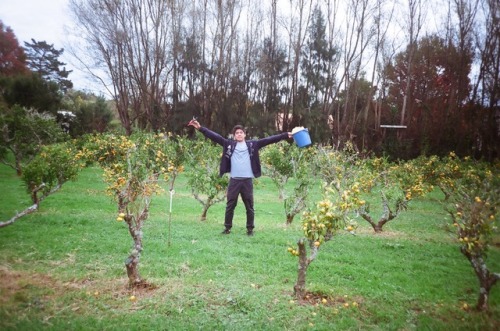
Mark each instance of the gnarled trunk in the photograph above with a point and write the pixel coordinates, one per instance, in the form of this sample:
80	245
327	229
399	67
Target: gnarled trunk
304	261
486	278
135	230
387	215
204	213
300	287
132	262
132	265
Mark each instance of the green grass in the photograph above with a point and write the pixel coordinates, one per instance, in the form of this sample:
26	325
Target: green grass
62	268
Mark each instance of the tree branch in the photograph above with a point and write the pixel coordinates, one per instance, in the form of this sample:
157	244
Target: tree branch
25	212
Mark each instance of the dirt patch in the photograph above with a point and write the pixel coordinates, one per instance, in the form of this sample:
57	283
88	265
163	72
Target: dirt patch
143	289
23	284
318	298
15	282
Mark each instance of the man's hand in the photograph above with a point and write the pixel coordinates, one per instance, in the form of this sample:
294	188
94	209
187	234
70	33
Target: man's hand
194	123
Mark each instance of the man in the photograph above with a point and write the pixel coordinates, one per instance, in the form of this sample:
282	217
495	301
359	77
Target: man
240	158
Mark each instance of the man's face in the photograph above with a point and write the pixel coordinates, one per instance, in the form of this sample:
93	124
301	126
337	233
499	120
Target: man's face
239	135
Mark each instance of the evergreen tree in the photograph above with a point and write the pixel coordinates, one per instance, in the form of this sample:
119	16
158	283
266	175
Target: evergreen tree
31	91
317	58
43	59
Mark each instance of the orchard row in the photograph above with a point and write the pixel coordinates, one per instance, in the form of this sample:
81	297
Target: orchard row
134	167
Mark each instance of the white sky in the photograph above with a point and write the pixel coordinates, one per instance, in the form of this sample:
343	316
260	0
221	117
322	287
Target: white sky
43	20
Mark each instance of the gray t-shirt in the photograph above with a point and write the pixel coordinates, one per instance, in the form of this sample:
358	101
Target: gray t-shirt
240	162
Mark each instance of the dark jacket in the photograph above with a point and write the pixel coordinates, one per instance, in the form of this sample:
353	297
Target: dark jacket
228	146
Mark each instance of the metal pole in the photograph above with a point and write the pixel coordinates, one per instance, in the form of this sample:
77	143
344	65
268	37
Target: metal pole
170	217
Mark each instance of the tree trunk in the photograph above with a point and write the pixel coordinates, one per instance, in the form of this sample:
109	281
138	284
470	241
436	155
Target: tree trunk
485	277
304	262
377	227
204	213
19	167
132	262
132	265
300	286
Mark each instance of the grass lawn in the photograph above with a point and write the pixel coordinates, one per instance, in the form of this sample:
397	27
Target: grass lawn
62	268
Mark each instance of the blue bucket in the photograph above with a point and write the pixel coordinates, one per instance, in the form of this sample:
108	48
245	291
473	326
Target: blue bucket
302	138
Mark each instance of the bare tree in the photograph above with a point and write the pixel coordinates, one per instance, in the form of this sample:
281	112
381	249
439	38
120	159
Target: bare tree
252	37
381	24
222	31
466	11
297	25
355	43
414	21
129	41
486	90
177	10
194	70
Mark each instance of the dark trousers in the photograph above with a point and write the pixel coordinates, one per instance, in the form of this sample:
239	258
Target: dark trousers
243	186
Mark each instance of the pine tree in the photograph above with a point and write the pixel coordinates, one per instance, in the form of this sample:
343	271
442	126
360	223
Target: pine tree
43	59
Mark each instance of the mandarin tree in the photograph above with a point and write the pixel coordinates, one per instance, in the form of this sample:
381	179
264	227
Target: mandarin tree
53	166
344	172
23	132
473	205
207	186
284	163
392	186
295	200
277	165
340	172
319	226
132	169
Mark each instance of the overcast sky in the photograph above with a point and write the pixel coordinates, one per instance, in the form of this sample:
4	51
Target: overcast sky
42	20
45	20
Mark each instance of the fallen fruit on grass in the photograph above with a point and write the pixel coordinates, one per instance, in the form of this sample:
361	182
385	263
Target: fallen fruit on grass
132	298
317	243
122	215
324	301
119	219
350	228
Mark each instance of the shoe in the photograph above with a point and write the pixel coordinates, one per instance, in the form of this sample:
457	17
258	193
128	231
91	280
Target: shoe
226	231
250	233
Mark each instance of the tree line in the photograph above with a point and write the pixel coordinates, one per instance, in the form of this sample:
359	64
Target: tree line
345	71
342	70
38	105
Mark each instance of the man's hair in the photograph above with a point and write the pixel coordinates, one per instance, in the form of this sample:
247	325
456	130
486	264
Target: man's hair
238	127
